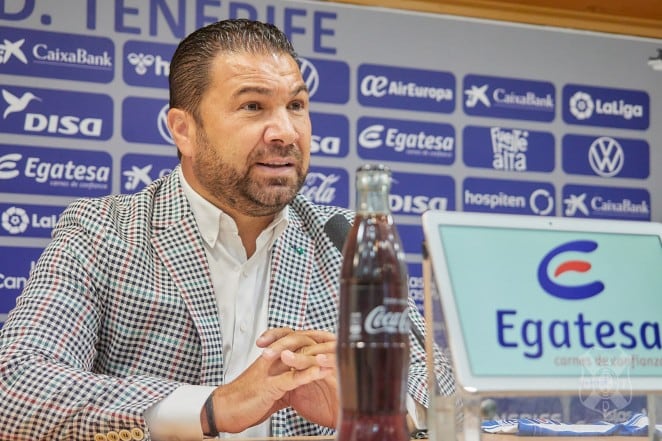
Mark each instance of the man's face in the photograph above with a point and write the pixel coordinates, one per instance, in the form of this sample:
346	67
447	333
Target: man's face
252	150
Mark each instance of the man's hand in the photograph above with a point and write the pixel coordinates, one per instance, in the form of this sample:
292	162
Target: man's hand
297	368
316	401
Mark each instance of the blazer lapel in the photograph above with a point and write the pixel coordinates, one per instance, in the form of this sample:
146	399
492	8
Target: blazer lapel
290	277
179	245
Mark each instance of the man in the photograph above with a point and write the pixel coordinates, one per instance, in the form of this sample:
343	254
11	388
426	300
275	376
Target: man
205	303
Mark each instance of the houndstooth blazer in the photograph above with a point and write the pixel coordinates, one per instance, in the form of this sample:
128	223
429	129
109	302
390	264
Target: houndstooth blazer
119	311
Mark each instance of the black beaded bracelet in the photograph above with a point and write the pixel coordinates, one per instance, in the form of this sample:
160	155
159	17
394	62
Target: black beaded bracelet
211	421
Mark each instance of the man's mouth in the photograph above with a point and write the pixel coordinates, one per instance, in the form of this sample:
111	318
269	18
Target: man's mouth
276	164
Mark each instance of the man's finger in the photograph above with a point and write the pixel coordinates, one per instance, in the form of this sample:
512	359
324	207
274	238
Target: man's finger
271	335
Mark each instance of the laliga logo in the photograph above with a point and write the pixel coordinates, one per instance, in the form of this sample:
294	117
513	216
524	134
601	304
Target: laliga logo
578	292
15	220
581	105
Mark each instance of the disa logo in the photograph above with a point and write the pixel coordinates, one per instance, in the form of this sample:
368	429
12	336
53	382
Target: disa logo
577	292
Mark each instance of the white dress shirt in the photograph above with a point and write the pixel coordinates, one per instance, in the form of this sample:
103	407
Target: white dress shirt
240	285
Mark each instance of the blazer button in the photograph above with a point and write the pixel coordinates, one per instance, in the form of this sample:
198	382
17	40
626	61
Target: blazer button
113	436
125	435
137	434
100	437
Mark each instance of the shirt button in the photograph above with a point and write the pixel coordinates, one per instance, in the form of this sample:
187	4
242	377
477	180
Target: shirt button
113	436
125	435
242	327
100	437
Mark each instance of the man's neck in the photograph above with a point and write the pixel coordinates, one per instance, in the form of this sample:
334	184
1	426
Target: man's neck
249	228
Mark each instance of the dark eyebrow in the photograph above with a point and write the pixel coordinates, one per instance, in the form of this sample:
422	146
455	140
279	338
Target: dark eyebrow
265	91
301	88
252	89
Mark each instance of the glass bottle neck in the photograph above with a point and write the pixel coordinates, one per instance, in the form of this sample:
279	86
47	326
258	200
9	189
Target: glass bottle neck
373	201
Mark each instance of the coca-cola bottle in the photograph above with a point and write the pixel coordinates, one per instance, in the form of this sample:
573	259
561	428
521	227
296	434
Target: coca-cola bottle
373	322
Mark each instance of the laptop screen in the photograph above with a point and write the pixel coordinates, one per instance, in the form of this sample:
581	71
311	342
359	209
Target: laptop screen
549	304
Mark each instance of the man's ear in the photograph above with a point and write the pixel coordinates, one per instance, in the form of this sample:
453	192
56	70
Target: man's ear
182	129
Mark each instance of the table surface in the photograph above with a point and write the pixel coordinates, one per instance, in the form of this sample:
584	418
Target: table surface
490	437
484	437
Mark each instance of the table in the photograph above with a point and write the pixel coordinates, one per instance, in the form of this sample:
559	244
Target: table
484	437
491	437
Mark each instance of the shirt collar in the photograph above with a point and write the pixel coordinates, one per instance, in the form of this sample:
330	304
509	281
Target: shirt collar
212	220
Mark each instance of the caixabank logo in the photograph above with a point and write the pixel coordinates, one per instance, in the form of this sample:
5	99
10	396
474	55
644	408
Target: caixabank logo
24	220
512	98
327	186
28	52
138	171
405	88
406	141
606	107
506	196
330	136
508	149
14	273
606	202
60	113
606	156
145	120
147	64
327	80
53	171
414	193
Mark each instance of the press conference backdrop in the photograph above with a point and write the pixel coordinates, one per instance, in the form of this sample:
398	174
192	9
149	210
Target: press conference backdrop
470	114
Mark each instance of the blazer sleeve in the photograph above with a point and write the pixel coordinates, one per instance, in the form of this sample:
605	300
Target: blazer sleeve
50	384
418	386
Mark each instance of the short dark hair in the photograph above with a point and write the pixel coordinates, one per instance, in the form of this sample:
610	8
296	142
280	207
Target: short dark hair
189	67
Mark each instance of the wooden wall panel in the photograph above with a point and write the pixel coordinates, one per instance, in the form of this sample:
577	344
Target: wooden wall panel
629	17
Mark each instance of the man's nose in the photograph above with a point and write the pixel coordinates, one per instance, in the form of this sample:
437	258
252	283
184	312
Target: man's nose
281	129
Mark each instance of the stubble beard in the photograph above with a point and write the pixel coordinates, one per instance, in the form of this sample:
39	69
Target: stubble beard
238	189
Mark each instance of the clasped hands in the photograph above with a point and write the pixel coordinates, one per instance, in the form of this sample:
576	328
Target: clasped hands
296	368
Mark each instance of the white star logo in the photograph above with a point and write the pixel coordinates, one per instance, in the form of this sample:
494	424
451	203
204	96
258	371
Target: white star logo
9	48
575	202
477	94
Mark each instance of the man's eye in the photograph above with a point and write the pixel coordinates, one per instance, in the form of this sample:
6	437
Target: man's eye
252	106
296	105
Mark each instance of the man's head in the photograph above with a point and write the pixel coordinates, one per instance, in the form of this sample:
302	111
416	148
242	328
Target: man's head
190	64
239	116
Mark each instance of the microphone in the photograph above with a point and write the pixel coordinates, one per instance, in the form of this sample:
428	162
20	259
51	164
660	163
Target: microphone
336	228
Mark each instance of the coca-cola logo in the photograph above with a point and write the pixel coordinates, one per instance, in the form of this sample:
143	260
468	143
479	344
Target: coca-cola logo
382	321
319	187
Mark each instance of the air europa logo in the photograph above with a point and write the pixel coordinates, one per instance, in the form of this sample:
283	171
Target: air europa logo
577	292
409	89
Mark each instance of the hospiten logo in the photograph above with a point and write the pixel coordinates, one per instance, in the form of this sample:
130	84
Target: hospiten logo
569	292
